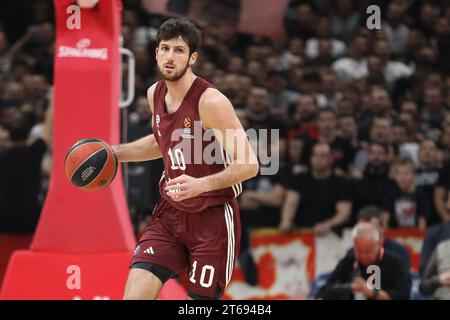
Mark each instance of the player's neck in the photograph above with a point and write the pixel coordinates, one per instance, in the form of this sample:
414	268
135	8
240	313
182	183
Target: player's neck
176	90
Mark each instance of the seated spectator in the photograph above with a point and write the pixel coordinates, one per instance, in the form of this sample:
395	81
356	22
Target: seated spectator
306	114
427	18
406	205
374	215
427	176
305	128
433	112
295	49
316	199
330	95
441	192
341	149
324	57
404	148
394	28
372	186
350	279
345	19
260	116
279	93
302	22
411	123
380	133
324	32
393	70
434	235
436	276
375	72
354	65
381	102
348	129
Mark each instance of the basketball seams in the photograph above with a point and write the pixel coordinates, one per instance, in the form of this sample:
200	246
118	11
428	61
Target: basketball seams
80	144
72	150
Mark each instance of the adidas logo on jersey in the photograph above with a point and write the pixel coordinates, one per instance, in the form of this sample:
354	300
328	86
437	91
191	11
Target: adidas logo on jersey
149	250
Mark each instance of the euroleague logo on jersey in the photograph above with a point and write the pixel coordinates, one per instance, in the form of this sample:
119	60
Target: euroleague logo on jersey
187	132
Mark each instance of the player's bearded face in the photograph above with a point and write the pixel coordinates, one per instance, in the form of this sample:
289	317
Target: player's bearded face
173	59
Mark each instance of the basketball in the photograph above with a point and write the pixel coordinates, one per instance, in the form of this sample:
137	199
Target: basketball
90	164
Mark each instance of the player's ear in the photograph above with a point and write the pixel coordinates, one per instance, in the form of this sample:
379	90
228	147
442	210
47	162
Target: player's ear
193	58
156	53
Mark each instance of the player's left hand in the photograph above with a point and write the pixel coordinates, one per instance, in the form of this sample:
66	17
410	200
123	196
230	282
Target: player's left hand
184	187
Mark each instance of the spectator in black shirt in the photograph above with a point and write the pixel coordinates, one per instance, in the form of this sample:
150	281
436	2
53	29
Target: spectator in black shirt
20	176
353	277
406	205
341	149
259	116
317	199
375	183
427	176
261	200
380	132
441	192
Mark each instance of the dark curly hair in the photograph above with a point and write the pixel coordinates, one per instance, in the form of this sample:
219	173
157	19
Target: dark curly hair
175	27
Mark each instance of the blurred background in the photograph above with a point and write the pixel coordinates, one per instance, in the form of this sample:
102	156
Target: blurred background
377	101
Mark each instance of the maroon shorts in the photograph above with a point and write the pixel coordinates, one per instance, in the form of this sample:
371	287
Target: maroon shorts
205	244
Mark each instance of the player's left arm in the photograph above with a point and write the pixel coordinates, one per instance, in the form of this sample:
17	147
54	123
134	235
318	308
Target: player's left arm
217	113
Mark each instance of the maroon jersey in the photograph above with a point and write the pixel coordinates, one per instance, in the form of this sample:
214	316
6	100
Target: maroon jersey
187	150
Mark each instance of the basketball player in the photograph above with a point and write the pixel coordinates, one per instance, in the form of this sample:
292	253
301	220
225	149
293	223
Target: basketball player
195	227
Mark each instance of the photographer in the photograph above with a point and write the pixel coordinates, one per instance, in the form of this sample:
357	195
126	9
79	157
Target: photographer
352	277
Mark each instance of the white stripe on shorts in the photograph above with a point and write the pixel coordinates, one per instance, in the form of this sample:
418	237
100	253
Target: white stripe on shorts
231	245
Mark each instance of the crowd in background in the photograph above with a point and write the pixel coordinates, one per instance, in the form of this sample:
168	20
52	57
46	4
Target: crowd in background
363	115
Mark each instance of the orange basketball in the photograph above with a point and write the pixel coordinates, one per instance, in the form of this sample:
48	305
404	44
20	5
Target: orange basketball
91	164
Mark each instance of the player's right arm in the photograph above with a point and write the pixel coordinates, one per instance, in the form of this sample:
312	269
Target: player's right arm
146	148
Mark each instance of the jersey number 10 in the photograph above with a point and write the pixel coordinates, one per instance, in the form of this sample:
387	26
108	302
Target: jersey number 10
176	156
